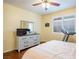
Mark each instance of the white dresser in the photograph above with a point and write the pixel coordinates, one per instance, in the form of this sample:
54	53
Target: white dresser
27	41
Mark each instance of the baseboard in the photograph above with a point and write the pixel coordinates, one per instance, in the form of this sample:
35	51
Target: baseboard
9	50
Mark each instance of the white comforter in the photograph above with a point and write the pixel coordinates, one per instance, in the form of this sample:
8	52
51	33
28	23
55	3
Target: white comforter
52	50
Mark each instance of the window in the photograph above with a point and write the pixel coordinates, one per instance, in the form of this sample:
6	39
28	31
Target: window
64	23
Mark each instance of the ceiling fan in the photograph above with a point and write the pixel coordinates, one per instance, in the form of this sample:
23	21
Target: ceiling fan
46	3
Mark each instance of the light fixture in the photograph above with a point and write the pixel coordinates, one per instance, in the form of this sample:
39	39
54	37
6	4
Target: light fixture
45	5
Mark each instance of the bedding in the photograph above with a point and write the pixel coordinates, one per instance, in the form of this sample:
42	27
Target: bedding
52	50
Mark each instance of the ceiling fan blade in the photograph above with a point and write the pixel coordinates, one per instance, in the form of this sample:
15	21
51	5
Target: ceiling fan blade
54	3
36	4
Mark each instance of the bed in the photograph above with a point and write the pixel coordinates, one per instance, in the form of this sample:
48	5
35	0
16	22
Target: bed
52	50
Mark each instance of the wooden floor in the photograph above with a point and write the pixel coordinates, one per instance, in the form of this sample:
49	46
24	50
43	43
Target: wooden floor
16	54
13	55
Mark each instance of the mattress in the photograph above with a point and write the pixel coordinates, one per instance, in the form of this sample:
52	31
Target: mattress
52	50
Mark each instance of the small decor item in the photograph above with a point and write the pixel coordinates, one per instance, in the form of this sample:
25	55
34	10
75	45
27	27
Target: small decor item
47	24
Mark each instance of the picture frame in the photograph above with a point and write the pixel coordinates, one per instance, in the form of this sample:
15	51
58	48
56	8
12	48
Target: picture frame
47	24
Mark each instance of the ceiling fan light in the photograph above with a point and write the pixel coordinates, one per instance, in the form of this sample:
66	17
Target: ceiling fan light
45	5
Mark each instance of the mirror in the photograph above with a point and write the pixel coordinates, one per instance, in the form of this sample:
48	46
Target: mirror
27	24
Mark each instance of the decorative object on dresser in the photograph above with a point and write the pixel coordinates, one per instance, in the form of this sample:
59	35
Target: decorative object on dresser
27	41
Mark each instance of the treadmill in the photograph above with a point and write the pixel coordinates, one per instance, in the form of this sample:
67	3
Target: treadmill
67	34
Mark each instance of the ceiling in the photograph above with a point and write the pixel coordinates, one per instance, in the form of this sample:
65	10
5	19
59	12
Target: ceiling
27	5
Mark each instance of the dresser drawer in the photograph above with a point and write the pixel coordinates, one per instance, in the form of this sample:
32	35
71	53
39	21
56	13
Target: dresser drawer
30	37
24	46
36	40
27	41
24	38
24	42
36	37
35	43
